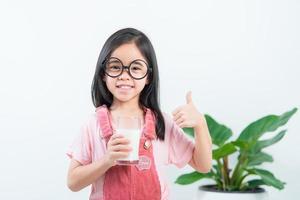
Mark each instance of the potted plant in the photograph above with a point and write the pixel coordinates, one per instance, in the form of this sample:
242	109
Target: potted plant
246	176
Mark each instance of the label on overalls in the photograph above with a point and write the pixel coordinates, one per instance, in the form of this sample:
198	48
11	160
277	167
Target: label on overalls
144	163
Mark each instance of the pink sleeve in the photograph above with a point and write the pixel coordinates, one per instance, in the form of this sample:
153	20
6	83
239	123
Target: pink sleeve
181	148
80	149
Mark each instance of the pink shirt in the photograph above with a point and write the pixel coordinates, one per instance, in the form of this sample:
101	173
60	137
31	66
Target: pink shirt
176	149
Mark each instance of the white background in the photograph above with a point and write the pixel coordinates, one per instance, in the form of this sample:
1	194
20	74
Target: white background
240	58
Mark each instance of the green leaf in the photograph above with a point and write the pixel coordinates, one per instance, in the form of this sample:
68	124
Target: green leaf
255	183
259	158
189	131
265	143
241	144
192	177
268	178
219	133
223	151
266	124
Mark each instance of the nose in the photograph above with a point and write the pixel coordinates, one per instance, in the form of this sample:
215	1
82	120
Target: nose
125	75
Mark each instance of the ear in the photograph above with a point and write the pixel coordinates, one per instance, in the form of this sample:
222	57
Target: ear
104	78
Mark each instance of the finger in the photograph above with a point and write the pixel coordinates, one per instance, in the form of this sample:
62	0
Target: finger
177	116
179	120
178	109
182	125
123	148
116	135
120	154
116	139
189	97
119	141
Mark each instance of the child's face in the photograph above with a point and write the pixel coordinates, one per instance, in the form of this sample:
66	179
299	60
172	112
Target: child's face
124	88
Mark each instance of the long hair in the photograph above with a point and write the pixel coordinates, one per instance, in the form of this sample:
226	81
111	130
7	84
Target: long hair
149	97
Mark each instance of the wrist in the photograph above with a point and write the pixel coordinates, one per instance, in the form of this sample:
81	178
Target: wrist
201	122
107	161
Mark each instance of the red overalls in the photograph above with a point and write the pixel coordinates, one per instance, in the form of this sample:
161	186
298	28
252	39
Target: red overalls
132	182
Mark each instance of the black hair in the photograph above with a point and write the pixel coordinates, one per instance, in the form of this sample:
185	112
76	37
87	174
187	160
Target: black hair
149	97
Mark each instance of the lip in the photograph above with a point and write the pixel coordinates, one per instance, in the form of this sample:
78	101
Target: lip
124	86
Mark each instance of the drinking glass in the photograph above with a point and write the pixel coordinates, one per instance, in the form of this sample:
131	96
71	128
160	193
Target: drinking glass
130	128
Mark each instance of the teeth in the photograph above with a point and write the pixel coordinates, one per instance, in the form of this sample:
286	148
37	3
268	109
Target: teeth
124	86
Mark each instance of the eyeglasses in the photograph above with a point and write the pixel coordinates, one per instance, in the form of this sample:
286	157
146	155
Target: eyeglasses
137	69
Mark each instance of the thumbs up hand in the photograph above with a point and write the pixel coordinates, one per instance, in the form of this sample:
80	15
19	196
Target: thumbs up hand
187	115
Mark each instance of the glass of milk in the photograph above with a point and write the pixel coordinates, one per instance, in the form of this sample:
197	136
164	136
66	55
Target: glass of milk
130	128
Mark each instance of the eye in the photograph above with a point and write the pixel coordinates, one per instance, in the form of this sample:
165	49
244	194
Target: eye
113	65
114	68
136	68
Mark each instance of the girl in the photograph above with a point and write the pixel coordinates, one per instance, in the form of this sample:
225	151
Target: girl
126	83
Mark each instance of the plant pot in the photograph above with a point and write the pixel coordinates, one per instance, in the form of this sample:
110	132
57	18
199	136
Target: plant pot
208	192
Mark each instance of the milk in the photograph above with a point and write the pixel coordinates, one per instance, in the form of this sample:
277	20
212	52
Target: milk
133	135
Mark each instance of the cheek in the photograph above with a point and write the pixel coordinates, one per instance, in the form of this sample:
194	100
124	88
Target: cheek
110	84
140	86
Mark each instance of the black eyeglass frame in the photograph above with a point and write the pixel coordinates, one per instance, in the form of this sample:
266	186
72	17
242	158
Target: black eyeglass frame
149	70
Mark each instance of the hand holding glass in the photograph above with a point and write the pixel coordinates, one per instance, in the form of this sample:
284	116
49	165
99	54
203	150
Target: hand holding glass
130	128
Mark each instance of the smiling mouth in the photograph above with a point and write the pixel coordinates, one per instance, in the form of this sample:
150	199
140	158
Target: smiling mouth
124	86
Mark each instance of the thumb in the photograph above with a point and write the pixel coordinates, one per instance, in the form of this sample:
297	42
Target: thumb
189	97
